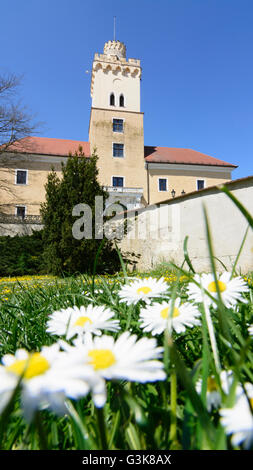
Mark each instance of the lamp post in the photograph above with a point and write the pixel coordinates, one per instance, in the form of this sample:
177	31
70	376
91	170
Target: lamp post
173	193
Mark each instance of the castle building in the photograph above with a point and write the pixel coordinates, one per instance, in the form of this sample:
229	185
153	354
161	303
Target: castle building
133	174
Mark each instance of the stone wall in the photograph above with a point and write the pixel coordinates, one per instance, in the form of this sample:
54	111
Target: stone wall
12	225
167	226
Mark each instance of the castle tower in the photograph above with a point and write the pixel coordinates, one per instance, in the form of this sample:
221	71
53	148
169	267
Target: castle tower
116	124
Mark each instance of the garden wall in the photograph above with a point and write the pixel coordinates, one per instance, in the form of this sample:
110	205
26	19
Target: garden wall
183	216
13	225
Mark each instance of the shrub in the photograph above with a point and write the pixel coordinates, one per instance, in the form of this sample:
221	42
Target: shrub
21	255
63	253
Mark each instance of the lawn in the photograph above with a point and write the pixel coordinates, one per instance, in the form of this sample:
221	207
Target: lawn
179	407
159	360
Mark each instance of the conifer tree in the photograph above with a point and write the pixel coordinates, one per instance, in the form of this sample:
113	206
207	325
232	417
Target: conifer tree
78	184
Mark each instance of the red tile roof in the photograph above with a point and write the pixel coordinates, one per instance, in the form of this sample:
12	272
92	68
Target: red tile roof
178	155
62	147
49	146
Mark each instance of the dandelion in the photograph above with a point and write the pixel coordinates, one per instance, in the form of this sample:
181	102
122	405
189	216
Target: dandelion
47	378
143	289
158	317
238	420
78	321
230	289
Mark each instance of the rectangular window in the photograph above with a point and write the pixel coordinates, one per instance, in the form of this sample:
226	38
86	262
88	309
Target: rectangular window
21	176
200	184
117	125
118	181
118	150
21	211
163	184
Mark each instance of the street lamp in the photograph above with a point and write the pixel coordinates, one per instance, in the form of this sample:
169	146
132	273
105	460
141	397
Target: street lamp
173	193
183	192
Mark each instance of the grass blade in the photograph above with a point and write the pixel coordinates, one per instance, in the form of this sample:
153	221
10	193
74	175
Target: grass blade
196	401
240	206
186	255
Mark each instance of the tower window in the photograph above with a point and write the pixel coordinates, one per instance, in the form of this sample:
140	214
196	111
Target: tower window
200	184
118	181
162	184
117	125
121	101
112	99
118	150
21	176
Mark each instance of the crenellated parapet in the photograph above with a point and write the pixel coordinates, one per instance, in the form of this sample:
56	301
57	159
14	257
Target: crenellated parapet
114	61
115	48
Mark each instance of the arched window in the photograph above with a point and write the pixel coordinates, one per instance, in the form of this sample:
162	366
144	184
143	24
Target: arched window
121	101
112	99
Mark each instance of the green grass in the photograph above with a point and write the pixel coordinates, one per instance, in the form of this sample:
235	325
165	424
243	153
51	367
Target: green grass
137	416
160	415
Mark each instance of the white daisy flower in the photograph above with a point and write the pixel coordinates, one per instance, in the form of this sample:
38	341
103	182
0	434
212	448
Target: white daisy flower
158	317
231	289
238	420
47	377
213	394
250	330
77	321
125	358
143	289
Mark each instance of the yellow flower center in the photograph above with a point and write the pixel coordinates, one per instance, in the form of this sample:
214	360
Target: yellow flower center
101	358
82	320
211	385
35	365
212	286
165	312
144	290
251	401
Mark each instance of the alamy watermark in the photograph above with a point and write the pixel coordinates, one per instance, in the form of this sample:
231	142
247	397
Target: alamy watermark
156	222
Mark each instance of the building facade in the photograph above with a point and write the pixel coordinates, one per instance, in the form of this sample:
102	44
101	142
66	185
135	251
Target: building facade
133	174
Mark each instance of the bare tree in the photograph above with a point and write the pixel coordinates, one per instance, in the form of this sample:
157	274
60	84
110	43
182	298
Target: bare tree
16	125
15	121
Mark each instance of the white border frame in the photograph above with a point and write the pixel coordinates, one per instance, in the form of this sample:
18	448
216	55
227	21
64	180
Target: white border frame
167	187
16	172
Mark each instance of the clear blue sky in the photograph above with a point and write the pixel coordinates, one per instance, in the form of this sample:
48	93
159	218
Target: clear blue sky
196	57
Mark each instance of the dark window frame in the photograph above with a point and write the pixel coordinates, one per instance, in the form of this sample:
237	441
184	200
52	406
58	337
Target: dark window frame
160	184
116	180
23	211
200	186
118	150
122	101
118	125
19	177
112	99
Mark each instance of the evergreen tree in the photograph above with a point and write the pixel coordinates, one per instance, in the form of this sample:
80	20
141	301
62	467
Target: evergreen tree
78	184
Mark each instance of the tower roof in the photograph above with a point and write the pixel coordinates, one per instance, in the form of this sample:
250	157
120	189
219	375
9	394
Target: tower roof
180	155
52	146
115	48
49	146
